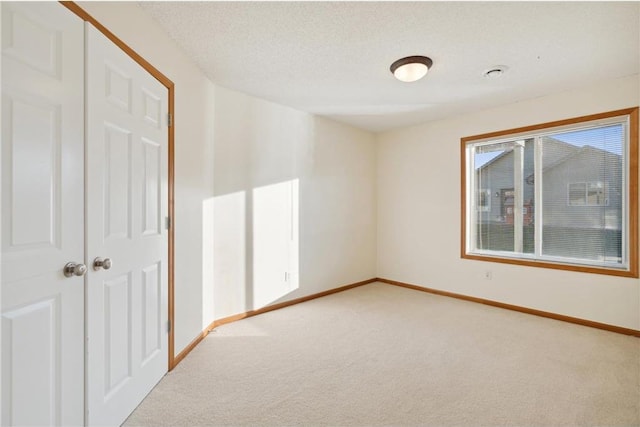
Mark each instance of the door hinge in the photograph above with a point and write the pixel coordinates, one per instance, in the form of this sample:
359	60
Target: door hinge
167	222
169	120
168	325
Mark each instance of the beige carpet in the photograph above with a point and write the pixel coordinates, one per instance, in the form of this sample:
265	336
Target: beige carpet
384	355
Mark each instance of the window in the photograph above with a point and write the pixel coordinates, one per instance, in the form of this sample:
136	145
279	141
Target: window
587	193
484	200
560	195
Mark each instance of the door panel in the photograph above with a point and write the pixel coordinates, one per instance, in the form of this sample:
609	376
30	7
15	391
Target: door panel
28	40
151	312
151	197
127	305
117	180
33	330
118	332
33	180
42	214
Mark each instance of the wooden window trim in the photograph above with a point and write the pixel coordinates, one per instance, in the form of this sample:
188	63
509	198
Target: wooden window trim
632	229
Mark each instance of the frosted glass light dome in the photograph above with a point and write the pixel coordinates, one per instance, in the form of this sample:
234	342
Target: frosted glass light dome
411	68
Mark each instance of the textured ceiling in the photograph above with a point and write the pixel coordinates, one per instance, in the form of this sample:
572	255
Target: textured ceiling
332	58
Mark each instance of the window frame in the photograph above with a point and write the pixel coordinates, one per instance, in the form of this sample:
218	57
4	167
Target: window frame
630	212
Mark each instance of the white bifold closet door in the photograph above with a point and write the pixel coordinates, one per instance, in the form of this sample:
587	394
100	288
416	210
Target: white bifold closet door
127	163
84	178
42	215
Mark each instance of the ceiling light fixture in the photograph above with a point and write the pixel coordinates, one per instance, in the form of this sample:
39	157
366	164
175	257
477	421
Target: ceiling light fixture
411	68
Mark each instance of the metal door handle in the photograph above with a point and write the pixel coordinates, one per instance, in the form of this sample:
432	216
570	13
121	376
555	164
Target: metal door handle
73	269
99	263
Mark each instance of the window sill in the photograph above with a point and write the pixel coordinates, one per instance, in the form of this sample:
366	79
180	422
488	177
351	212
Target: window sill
610	271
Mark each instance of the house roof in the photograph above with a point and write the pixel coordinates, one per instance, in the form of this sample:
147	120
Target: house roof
583	151
549	140
571	152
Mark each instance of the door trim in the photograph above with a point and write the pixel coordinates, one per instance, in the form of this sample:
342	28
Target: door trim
166	82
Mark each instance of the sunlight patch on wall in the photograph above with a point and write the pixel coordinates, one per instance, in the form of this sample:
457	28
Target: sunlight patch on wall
275	242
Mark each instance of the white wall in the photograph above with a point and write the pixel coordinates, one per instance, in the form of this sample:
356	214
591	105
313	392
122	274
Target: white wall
419	213
333	167
228	148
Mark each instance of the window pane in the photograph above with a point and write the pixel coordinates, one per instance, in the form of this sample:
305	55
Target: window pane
528	198
494	175
582	194
596	194
577	192
483	200
496	213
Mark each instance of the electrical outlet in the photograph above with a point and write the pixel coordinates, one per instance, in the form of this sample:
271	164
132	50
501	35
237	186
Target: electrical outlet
488	274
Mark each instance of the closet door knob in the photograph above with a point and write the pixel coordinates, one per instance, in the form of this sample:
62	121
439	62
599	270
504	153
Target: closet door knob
73	269
104	263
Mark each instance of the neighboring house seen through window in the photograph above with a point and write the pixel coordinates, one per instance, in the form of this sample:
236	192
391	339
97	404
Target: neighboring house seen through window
564	195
